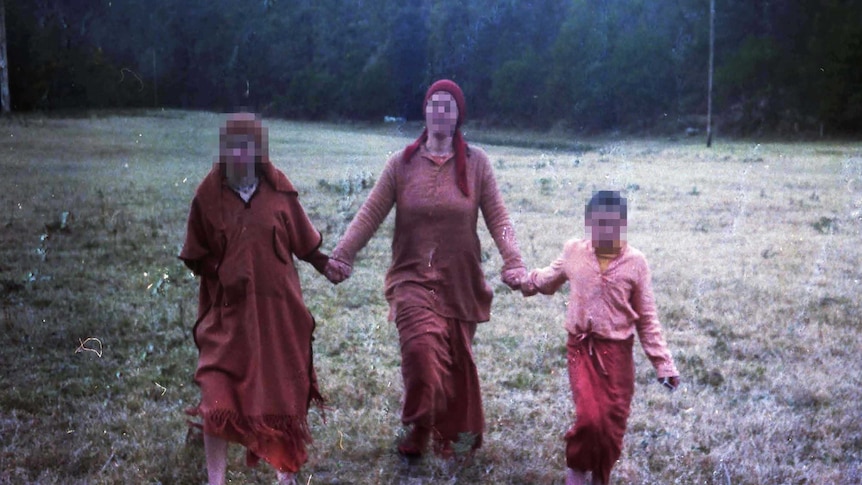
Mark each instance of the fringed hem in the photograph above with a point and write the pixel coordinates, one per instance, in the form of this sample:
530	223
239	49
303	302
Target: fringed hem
279	439
317	400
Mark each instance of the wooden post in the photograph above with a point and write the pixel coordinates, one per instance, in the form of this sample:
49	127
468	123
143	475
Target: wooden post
5	100
711	64
155	82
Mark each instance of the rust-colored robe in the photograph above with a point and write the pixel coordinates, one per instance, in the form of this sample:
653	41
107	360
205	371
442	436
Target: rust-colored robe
253	330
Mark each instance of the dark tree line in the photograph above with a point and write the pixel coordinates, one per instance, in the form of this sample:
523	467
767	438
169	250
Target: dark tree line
780	66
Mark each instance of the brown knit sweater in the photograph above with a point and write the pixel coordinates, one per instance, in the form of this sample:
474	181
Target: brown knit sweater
436	255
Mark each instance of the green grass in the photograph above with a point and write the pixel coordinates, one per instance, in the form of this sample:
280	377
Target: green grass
755	253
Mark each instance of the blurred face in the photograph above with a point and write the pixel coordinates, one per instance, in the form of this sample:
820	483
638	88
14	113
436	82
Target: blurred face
606	228
441	115
240	154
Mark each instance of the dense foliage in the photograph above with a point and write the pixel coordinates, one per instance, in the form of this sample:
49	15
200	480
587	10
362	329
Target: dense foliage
580	64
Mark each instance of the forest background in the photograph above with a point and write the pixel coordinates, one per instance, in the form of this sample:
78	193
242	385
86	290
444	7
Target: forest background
583	66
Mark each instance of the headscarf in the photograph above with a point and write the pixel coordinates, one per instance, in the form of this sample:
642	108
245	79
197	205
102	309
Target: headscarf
458	142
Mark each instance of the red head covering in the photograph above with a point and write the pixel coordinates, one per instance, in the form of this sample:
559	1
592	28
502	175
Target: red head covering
458	142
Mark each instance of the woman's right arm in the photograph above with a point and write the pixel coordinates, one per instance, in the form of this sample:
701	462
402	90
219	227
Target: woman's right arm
372	213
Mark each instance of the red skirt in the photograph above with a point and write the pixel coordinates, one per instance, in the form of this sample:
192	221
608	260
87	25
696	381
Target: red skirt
601	373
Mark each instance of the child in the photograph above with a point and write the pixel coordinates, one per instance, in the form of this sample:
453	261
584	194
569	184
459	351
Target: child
610	298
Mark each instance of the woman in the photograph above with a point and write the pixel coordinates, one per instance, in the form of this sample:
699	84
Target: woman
253	330
435	285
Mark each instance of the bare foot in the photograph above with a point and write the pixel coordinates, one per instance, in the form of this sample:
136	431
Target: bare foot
286	478
575	477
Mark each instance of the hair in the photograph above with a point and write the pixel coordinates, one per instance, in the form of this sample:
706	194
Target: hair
607	200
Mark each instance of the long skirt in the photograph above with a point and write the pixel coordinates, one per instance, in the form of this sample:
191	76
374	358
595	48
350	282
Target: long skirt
601	374
441	382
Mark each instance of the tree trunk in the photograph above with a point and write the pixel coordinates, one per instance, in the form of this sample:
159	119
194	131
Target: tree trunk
711	64
5	102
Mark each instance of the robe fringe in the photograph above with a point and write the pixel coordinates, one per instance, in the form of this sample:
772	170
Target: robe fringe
260	435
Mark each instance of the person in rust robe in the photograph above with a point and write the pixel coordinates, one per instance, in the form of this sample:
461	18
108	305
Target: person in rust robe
610	299
435	285
253	330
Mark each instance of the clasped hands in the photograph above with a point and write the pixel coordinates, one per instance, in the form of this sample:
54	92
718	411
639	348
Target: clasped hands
519	279
515	278
337	271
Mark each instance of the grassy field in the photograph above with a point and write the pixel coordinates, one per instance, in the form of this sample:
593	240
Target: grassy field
755	252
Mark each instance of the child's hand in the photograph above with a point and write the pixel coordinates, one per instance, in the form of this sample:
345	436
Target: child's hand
528	288
513	277
671	382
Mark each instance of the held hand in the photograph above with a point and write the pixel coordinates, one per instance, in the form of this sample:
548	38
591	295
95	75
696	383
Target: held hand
528	288
513	277
671	382
337	271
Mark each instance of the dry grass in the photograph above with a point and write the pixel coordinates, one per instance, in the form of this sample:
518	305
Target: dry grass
755	255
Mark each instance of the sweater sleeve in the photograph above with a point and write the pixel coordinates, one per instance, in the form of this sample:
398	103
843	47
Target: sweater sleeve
372	213
497	218
550	279
648	326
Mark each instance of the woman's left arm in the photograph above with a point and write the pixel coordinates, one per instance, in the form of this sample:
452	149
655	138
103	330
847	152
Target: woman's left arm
500	224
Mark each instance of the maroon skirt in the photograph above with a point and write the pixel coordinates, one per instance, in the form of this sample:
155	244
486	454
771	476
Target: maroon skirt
441	382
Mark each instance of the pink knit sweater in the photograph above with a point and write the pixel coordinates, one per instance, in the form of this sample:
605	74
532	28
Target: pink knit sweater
610	304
